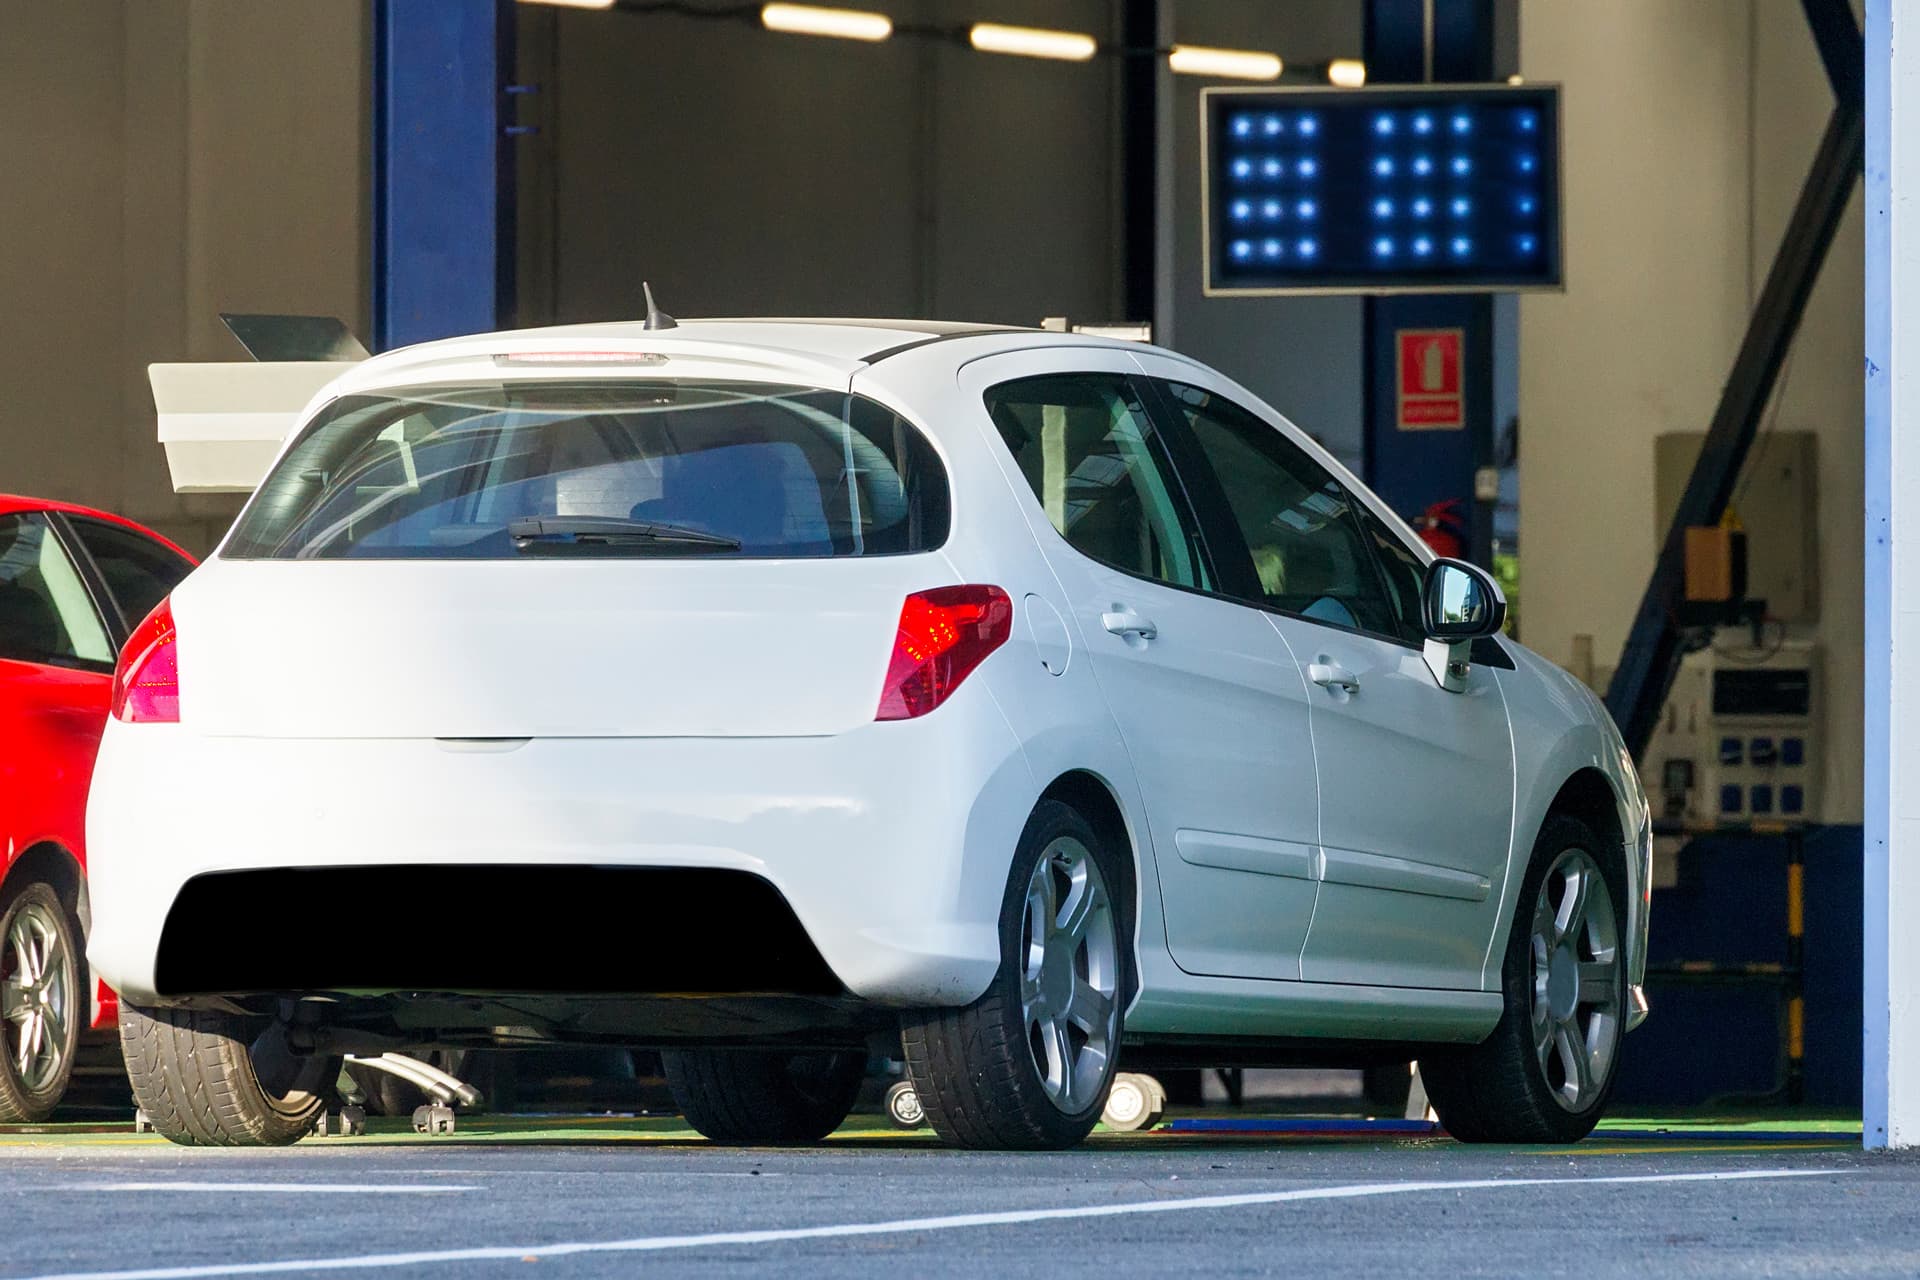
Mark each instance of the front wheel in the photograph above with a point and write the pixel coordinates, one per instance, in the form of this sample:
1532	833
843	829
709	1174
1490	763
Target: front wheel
44	998
1545	1073
1027	1066
213	1079
753	1097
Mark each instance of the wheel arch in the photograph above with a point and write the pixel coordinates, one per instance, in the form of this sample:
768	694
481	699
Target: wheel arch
1094	799
1589	796
1593	797
51	863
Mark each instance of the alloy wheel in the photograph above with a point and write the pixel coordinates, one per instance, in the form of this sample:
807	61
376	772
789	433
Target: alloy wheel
1070	975
36	996
1576	980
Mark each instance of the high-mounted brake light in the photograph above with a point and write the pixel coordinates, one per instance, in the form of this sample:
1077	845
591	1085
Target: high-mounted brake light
943	635
146	683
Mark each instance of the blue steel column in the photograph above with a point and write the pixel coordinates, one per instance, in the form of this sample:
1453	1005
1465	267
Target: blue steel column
443	246
1414	469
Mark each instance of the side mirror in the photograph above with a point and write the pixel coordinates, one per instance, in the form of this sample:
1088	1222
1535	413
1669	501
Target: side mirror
1459	603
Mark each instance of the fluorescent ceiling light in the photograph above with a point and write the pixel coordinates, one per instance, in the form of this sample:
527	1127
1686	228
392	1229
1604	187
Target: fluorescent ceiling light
1233	64
1348	73
811	20
574	4
1032	42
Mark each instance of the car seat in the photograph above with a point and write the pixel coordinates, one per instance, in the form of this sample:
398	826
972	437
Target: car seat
763	493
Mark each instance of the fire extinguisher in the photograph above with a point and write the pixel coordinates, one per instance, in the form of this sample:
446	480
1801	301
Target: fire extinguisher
1441	528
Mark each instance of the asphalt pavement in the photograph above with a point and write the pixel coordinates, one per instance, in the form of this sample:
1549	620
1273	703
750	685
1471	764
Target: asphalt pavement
625	1197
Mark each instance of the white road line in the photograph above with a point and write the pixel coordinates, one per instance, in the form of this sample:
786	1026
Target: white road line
900	1226
265	1188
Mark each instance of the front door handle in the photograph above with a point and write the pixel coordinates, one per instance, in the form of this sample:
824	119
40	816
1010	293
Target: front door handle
1331	675
1125	622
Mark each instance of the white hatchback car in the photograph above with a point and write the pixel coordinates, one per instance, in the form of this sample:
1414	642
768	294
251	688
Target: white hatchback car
770	692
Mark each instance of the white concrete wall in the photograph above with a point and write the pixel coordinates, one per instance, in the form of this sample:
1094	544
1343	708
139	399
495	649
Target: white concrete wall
164	160
1688	129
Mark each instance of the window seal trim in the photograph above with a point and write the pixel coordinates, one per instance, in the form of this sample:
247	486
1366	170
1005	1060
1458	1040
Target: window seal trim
96	577
106	610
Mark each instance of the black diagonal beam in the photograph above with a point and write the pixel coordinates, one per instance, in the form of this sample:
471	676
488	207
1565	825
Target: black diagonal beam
1841	50
1651	656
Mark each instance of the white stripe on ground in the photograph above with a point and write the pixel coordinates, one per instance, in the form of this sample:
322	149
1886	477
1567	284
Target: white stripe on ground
267	1188
900	1226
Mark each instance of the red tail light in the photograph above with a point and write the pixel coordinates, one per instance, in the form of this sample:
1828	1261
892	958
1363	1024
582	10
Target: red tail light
146	684
944	634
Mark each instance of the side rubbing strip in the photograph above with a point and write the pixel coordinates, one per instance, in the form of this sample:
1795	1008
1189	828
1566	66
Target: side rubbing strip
1245	853
1377	871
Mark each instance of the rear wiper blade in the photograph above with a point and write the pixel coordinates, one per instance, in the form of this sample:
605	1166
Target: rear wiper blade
530	531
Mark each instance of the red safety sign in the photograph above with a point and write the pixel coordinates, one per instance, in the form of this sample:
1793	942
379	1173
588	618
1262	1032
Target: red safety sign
1428	378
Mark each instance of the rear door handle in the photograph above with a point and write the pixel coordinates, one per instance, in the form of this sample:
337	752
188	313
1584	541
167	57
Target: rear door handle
1125	622
1331	675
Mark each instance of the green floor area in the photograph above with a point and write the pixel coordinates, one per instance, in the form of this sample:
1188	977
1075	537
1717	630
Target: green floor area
1757	1130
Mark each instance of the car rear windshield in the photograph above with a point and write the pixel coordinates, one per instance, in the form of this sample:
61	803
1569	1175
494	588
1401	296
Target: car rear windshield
654	468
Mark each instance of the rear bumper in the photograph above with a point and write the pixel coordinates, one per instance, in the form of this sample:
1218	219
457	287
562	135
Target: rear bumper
890	843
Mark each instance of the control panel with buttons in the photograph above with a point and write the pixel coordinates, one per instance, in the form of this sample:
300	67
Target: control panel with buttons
1740	737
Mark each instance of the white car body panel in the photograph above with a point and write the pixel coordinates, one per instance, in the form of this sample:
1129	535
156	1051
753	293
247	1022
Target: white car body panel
714	714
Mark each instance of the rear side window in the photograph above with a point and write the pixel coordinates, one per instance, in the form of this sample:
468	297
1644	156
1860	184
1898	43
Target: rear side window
139	571
1085	445
656	468
45	613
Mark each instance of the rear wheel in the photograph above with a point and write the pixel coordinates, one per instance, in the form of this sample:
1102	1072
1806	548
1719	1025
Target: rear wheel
43	1002
750	1097
1027	1066
214	1079
1545	1073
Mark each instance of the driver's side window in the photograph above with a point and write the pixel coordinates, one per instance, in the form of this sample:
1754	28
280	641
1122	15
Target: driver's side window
1301	526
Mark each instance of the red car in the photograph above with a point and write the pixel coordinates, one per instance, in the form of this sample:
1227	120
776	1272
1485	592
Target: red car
73	583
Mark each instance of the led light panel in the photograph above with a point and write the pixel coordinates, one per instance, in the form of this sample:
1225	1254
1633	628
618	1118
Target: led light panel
1431	188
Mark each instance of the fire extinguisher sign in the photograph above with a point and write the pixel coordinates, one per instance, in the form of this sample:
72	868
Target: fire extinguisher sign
1428	365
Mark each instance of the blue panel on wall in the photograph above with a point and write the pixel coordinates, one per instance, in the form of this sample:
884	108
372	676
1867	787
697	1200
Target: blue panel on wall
443	179
1437	188
1718	1038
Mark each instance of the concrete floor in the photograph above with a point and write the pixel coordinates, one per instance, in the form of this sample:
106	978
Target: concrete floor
611	1197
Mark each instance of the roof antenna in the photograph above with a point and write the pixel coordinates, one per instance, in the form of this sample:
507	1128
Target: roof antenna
656	318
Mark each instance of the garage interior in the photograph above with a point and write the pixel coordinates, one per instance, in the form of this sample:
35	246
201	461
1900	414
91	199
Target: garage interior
423	171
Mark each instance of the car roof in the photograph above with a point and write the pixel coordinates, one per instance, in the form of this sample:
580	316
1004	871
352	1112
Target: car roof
14	504
819	350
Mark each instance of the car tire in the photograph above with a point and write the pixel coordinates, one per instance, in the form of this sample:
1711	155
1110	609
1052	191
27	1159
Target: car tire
205	1078
40	942
1546	1072
389	1095
1009	1072
750	1097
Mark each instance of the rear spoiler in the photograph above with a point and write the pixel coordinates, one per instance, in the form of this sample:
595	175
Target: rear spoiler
222	424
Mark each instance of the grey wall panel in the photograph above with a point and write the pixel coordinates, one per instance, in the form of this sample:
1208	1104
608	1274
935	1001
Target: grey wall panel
1302	355
745	172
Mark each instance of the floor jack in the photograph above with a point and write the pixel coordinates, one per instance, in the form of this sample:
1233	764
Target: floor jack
443	1091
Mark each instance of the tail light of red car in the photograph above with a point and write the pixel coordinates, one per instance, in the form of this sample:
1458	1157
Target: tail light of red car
944	633
146	683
